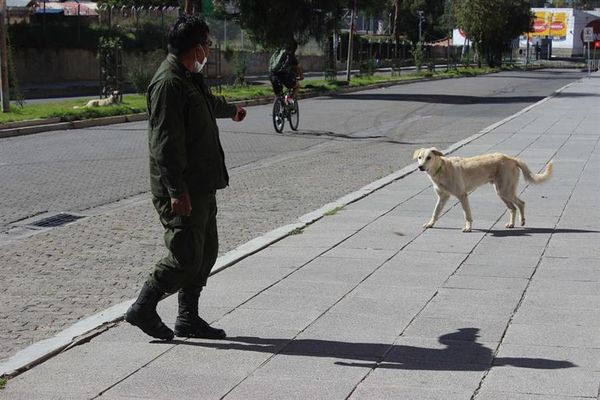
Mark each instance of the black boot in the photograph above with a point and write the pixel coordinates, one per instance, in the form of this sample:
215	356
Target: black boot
188	323
143	314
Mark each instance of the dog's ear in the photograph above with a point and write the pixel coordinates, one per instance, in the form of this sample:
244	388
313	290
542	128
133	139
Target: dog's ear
435	151
416	153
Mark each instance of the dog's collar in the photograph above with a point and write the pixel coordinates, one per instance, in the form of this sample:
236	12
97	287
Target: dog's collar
438	170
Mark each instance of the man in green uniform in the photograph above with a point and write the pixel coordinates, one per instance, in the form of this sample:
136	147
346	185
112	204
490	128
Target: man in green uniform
187	166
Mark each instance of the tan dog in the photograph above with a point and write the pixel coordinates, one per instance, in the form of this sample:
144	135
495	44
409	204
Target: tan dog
460	176
112	99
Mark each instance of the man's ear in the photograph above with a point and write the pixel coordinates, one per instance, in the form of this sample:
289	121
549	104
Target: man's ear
416	153
435	151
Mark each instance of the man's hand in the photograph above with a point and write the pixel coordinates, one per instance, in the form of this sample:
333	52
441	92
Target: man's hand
239	114
182	205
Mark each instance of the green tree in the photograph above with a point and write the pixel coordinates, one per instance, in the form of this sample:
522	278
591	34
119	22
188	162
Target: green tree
492	25
407	20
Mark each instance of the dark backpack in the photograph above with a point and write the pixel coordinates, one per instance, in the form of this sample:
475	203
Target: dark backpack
277	61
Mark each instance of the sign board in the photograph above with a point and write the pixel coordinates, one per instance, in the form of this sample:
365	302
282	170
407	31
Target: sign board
588	34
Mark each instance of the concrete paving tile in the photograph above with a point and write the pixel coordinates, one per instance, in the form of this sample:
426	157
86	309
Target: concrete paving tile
369	240
572	287
403	297
452	378
551	334
486	283
569	269
246	321
558	300
365	254
495	249
499	271
359	212
340	333
314	367
315	239
445	241
556	382
530	314
548	357
573	247
482	312
498	395
282	257
260	388
281	301
87	370
252	279
402	279
425	261
500	296
462	329
397	312
9	394
369	391
305	285
173	383
299	255
215	296
340	263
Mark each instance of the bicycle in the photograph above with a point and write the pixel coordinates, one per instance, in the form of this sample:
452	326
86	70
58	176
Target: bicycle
285	107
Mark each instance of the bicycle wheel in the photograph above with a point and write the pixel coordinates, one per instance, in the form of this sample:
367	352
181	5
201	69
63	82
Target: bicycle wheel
278	118
294	115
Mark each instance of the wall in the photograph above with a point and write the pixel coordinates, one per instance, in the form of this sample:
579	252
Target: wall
55	65
45	66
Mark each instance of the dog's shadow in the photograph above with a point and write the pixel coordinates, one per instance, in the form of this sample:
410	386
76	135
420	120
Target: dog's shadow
531	231
461	352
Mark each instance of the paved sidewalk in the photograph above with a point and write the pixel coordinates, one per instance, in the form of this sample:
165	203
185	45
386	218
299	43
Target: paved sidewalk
365	304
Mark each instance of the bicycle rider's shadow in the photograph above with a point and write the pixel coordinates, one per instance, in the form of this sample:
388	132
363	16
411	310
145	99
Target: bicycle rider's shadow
462	352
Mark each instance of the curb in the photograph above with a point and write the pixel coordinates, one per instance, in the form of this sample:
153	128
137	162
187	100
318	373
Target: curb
50	124
94	325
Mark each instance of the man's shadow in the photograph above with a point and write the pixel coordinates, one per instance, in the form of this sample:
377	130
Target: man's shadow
461	352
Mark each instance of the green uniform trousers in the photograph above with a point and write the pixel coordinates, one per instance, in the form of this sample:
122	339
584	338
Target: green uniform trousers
192	242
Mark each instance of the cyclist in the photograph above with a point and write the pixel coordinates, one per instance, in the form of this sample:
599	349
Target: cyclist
285	70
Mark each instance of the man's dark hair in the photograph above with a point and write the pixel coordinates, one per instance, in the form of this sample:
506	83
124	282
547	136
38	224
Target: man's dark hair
187	32
292	46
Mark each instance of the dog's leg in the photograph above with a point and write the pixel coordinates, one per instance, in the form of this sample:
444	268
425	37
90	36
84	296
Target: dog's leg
464	202
511	212
521	204
439	206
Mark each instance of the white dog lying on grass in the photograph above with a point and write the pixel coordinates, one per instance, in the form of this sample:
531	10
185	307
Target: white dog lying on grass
114	98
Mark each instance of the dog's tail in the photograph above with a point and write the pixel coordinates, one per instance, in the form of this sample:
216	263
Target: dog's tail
535	178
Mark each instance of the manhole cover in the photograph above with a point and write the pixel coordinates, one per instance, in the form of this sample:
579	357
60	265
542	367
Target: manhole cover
56	220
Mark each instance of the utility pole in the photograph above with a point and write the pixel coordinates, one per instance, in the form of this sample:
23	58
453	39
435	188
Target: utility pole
4	59
349	62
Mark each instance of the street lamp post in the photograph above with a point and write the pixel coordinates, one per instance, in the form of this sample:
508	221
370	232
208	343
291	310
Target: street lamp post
349	61
420	14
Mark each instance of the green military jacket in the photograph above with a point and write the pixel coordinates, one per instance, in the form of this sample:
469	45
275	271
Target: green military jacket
183	136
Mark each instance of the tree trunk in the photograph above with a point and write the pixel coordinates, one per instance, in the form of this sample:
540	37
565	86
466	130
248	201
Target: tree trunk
193	7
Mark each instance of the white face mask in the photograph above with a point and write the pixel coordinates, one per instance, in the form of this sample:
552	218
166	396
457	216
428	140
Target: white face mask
198	66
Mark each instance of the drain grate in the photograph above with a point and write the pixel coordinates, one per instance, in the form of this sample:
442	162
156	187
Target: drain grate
56	220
